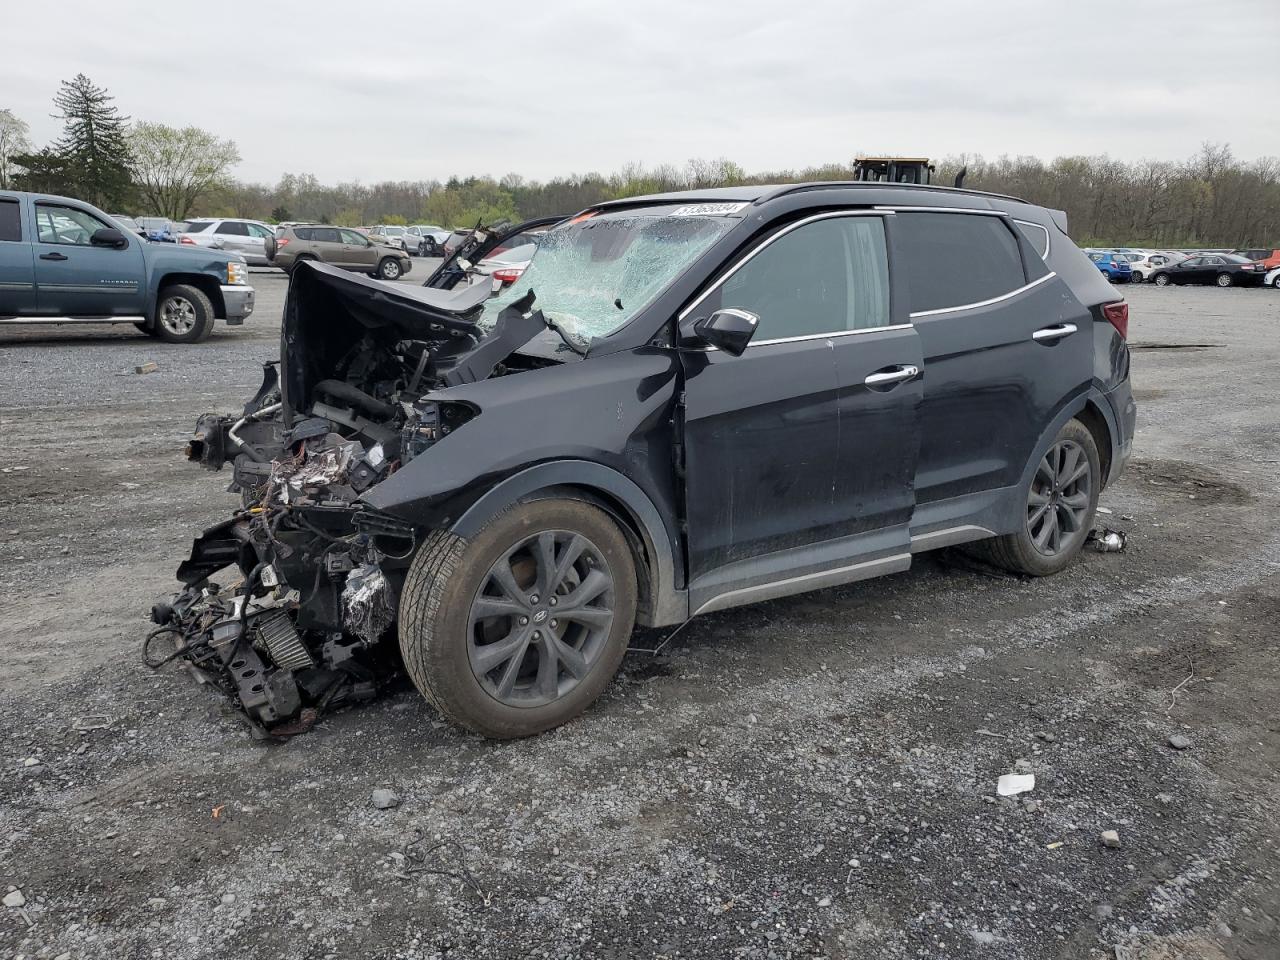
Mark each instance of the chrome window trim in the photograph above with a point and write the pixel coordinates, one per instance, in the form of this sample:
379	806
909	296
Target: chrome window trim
830	336
985	213
986	303
1048	239
746	258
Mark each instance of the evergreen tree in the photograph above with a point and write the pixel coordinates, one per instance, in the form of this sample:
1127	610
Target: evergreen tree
93	144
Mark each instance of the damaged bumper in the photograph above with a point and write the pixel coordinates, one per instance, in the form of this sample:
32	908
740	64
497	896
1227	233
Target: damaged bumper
315	572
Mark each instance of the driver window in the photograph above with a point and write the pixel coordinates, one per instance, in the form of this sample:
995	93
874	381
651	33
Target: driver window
354	238
66	225
829	276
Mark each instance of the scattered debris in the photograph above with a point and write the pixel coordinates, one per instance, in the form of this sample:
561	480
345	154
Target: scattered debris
95	721
1173	694
1054	846
1179	742
1012	784
217	811
149	367
1106	540
1110	838
984	732
384	799
14	899
415	854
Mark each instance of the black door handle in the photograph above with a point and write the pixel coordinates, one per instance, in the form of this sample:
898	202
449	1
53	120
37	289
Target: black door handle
53	256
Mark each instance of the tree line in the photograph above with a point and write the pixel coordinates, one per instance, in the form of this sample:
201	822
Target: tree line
1211	199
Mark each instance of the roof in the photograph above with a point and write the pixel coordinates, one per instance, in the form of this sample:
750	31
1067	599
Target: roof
759	193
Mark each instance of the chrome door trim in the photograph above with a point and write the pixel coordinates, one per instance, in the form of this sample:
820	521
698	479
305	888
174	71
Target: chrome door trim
935	539
73	319
809	581
986	303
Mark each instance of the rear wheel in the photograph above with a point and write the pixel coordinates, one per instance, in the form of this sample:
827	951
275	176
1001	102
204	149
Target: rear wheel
521	628
1224	280
183	314
1060	503
1135	277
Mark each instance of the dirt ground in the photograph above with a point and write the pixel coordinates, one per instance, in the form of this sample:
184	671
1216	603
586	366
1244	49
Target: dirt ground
809	777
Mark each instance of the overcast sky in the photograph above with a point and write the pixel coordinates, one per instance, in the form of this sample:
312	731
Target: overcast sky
383	90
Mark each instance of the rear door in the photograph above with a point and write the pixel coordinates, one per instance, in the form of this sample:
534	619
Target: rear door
17	261
1005	345
75	278
235	237
327	245
800	453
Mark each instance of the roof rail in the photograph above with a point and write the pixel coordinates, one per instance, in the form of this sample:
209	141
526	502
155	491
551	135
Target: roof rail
873	184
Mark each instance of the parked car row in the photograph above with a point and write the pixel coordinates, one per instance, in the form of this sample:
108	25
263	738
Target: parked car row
1244	267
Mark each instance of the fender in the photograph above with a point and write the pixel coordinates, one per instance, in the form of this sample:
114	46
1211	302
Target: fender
670	604
1091	394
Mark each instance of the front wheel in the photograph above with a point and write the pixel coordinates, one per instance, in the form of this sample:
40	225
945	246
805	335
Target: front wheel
1161	280
1224	280
183	314
521	628
389	269
1061	499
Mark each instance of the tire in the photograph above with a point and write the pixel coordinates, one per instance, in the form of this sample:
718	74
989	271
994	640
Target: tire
1135	277
1225	280
452	622
1161	280
1021	552
389	269
1276	282
183	314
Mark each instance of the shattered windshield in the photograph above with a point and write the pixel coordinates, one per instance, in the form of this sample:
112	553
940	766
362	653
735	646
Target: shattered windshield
593	275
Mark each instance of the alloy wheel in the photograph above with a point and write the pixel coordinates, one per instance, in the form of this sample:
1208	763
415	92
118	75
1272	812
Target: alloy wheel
1058	503
1224	279
1161	280
541	618
390	270
178	316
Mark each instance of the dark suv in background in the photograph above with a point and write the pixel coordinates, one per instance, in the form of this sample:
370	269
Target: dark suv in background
685	403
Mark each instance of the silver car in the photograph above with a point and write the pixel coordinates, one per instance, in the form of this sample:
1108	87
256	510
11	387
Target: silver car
245	237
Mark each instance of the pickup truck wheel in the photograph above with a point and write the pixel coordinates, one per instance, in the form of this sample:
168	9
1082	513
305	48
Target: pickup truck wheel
521	628
183	314
389	268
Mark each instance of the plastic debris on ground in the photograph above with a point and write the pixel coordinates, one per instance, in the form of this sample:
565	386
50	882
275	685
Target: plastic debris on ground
1012	784
1105	540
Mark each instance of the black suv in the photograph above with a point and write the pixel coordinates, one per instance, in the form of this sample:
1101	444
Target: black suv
687	402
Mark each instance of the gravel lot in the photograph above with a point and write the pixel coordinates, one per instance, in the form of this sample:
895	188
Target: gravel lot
810	777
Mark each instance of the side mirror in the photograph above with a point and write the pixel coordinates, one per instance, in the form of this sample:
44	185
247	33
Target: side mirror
728	329
108	237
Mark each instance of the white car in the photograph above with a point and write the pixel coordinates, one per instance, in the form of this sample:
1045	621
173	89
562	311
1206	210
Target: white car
1272	279
1146	262
245	237
394	236
429	239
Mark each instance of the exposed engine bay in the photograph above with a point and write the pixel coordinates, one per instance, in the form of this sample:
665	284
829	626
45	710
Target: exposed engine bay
303	628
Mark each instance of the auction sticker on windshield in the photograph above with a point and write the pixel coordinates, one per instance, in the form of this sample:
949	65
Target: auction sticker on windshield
707	209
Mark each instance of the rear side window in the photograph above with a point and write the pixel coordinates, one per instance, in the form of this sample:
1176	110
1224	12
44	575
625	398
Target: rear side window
826	277
303	233
10	220
956	259
199	227
1036	235
325	234
232	228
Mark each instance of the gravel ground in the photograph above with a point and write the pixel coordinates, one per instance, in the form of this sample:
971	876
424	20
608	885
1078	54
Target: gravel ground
809	777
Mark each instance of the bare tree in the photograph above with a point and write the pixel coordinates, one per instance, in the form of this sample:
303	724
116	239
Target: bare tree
174	168
13	141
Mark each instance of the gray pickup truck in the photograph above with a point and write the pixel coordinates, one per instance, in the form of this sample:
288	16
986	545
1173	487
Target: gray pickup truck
64	261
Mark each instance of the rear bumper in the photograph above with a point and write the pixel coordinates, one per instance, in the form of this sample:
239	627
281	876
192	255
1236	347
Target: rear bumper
1125	412
238	299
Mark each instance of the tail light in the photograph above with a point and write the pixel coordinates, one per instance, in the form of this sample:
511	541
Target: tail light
185	239
282	242
1118	316
507	276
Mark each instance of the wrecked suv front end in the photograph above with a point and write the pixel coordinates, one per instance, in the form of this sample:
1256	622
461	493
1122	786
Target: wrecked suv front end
349	403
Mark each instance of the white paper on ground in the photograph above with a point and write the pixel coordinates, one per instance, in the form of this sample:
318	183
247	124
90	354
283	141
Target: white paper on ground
1014	783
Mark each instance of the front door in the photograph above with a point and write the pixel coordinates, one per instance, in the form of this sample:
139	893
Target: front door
358	251
75	278
800	454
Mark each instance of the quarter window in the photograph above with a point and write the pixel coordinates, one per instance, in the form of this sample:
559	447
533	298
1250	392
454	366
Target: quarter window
66	225
10	220
829	276
200	226
956	259
1037	236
